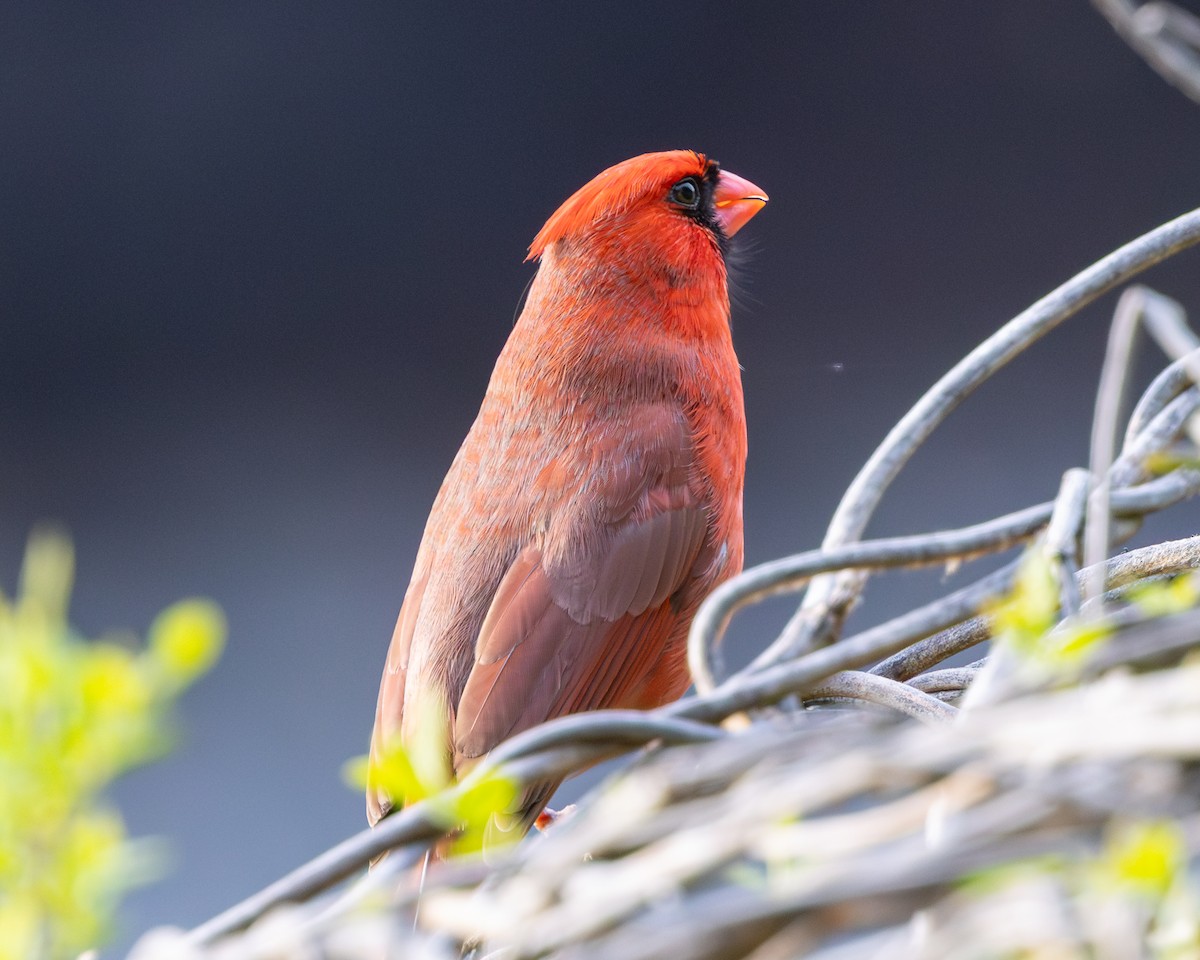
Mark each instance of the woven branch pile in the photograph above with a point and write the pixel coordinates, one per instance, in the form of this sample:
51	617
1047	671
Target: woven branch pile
855	796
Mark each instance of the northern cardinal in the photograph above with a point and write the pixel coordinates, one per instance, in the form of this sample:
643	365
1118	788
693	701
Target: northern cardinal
598	496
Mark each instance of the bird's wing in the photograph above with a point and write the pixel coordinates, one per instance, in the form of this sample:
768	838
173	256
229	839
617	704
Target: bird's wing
580	619
389	710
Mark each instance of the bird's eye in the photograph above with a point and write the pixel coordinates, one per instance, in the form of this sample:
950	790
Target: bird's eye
686	193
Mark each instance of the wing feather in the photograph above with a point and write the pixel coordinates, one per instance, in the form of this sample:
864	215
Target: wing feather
389	709
537	659
560	595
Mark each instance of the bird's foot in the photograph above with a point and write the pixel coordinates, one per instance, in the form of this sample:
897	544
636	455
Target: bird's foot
547	818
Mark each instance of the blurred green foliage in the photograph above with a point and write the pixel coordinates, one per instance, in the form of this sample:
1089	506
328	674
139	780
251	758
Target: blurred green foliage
420	771
1144	859
1137	881
74	715
1142	870
1027	620
1161	598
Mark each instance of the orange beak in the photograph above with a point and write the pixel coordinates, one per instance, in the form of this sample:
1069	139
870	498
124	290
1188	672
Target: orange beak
736	200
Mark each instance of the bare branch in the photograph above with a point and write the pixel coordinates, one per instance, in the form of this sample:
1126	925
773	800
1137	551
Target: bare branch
949	680
791	573
1181	374
865	492
1166	322
871	688
1165	35
1062	533
1122	571
1109	396
1132	467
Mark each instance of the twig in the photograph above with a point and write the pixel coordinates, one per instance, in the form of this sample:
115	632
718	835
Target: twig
769	686
608	727
1131	466
1166	319
870	688
320	873
1129	568
1152	640
1176	378
1170	556
950	679
1166	322
1164	35
931	651
791	573
788	573
1109	396
1157	494
1062	533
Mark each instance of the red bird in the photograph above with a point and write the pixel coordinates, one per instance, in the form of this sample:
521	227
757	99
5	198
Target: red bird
598	496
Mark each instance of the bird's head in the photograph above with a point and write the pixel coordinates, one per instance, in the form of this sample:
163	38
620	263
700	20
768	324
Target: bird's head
675	210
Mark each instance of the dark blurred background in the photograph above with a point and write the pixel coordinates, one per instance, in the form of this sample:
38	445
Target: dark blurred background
257	261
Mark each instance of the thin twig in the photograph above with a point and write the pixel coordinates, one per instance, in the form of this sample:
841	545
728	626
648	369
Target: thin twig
1132	567
791	573
1166	36
1062	533
1166	322
1110	394
1152	640
608	727
1156	494
322	872
788	573
1176	378
949	679
1132	466
931	651
870	688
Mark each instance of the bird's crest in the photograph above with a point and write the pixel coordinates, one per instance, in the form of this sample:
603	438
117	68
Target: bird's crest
615	190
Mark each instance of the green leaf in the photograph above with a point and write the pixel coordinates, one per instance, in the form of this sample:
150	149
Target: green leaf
482	812
1027	620
1162	598
1143	859
48	572
1028	613
392	771
186	639
409	770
